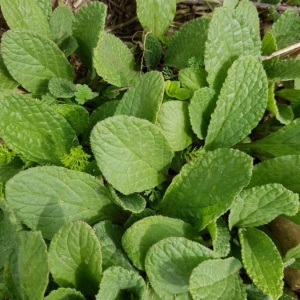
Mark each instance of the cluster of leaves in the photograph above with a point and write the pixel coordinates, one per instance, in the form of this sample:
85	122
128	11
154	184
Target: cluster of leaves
129	185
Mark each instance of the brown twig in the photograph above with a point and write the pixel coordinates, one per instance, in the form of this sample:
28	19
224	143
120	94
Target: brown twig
278	7
283	51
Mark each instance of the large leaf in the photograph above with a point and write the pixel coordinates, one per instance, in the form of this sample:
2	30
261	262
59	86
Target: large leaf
89	22
144	98
283	169
188	42
109	236
117	282
64	293
32	60
169	265
262	261
173	120
75	258
285	141
217	279
33	129
45	198
206	188
260	205
156	16
144	233
25	14
26	275
229	36
114	61
132	153
240	106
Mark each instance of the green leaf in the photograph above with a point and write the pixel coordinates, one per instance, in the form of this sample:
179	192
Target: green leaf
45	198
268	44
286	29
210	184
147	212
134	203
156	16
229	36
75	258
150	294
293	253
284	141
77	116
109	236
259	205
173	90
26	15
144	98
284	70
26	276
292	95
173	120
6	81
187	42
61	26
32	60
192	79
152	51
34	130
201	107
64	294
84	93
169	265
132	153
231	4
61	88
46	7
283	169
138	238
217	279
89	22
119	283
10	169
262	261
114	61
240	106
220	237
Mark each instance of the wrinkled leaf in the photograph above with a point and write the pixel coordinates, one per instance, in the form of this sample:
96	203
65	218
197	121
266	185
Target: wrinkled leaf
64	294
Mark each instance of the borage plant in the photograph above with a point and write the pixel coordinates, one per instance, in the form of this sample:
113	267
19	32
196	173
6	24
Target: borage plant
135	183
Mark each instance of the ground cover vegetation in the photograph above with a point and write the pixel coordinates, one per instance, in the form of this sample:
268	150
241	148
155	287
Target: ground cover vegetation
165	167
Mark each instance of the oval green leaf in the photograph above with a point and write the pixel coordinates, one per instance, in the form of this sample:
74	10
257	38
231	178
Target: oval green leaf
45	198
64	294
132	153
75	258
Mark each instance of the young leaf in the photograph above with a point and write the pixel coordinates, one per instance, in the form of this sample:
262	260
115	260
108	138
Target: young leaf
169	265
26	275
284	70
201	107
144	98
229	36
210	184
156	16
84	93
284	141
138	238
220	237
152	52
32	60
268	44
132	153
117	280
217	279
64	293
293	253
286	29
283	169
114	61
109	236
173	120
75	258
240	106
26	15
187	42
262	261
89	22
192	79
6	81
34	130
45	198
260	205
